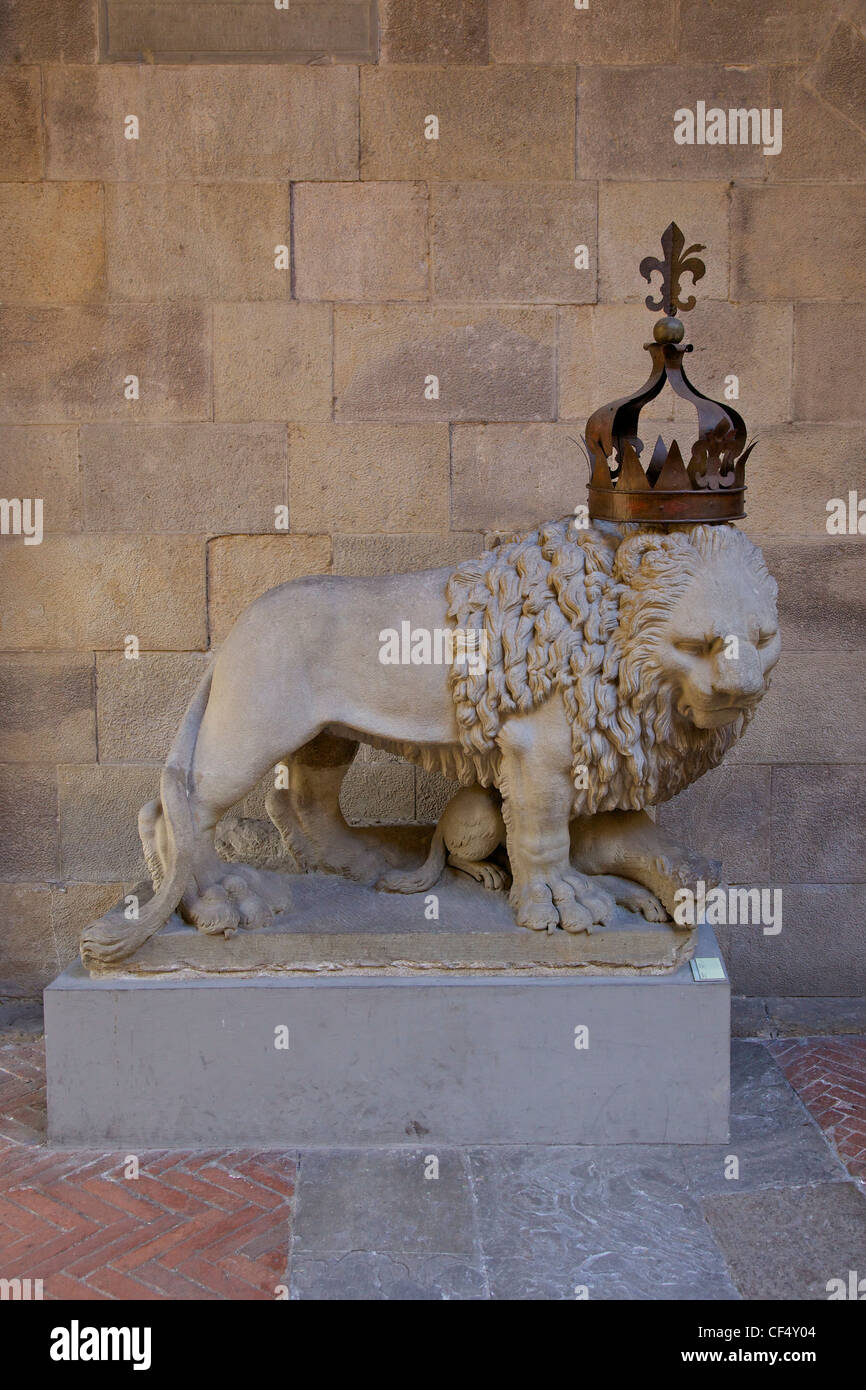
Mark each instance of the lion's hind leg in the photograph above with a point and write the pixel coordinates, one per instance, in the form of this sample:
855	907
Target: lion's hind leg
234	751
220	898
151	832
470	829
221	907
308	816
422	878
473	830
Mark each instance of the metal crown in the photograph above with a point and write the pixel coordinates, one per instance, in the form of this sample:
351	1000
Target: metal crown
711	488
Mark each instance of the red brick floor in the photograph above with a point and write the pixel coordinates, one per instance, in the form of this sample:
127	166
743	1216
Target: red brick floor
192	1225
829	1074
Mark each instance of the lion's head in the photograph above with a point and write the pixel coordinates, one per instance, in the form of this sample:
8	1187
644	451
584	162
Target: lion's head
661	642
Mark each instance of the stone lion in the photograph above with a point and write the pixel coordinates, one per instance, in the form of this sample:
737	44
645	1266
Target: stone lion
622	662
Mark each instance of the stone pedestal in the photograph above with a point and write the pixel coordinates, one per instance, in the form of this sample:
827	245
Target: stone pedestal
429	1056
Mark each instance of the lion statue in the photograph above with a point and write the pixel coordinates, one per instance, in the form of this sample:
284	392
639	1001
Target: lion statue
621	662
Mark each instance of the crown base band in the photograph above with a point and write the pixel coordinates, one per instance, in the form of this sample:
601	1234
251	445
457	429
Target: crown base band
666	508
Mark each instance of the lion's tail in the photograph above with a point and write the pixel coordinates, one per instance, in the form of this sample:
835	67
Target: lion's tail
113	937
416	880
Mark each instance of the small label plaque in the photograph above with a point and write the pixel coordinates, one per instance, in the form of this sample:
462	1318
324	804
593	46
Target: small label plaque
707	968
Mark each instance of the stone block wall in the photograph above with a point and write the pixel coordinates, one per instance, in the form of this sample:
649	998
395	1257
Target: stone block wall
296	378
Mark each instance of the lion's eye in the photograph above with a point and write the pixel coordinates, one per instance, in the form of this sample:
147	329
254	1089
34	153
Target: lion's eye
691	647
765	638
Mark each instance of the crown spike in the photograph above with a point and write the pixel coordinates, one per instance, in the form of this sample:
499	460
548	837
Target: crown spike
632	477
673	477
657	462
601	478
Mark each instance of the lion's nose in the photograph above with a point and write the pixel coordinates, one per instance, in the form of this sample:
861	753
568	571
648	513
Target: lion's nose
740	675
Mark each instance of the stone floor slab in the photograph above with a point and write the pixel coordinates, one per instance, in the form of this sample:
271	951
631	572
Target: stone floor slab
617	1222
381	1201
788	1243
371	1275
773	1138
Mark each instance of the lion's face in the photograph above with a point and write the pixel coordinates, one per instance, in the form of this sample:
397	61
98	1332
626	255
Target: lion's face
719	643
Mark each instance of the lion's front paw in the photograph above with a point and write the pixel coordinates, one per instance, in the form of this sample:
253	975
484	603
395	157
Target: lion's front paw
560	898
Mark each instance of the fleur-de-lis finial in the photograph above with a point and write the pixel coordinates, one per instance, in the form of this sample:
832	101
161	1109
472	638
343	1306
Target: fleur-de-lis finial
679	260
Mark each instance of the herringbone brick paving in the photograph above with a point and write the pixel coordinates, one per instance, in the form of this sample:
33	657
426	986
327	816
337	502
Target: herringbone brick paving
192	1225
830	1076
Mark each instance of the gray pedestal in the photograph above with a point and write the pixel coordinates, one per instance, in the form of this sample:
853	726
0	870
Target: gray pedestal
170	1062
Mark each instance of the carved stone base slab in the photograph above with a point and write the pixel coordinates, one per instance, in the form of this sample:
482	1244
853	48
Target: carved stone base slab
338	927
373	1059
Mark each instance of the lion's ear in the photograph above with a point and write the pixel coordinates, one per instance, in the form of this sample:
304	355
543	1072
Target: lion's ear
631	552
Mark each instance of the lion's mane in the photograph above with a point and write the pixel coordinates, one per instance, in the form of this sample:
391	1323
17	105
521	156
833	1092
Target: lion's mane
578	611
